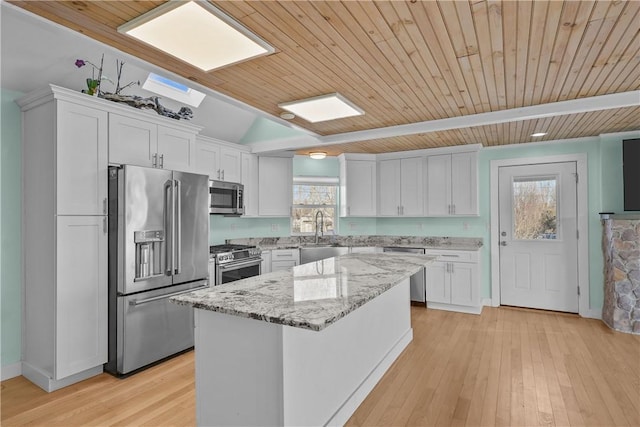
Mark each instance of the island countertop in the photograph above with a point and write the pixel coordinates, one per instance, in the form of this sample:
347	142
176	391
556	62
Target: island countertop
310	296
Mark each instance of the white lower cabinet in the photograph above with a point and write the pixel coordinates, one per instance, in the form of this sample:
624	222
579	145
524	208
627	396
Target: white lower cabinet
282	259
81	294
452	281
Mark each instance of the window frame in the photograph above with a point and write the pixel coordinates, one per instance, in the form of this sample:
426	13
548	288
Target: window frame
317	181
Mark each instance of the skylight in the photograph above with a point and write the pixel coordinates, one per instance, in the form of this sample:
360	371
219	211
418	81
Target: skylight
198	33
323	108
172	89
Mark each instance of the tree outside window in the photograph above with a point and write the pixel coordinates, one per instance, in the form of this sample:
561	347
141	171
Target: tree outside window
308	199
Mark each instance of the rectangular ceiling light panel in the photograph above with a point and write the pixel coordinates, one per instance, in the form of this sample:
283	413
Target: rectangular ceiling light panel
198	33
323	108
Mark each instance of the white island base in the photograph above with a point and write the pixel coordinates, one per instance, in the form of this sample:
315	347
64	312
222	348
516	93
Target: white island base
253	373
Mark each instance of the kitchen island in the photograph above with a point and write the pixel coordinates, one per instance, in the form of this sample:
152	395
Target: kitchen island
303	346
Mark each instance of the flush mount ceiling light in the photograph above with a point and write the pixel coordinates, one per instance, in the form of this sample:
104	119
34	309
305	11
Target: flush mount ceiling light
322	108
318	155
198	33
287	116
539	134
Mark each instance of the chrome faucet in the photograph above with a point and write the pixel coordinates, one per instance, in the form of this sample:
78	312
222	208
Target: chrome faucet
321	224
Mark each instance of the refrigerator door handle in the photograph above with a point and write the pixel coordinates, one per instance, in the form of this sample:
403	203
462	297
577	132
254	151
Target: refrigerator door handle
178	222
148	300
169	210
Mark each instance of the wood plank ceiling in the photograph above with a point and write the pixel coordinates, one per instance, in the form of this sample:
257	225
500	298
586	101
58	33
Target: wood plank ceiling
406	62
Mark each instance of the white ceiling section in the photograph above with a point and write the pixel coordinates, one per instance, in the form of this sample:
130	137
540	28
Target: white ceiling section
36	52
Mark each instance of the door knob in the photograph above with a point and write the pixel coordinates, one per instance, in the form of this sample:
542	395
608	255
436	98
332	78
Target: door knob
503	243
504	233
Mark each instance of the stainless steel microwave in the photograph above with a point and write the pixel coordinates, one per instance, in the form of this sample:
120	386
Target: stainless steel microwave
226	198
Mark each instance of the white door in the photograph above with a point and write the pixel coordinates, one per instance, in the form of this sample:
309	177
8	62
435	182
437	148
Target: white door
388	186
538	236
438	185
207	159
132	141
81	294
230	164
411	187
81	160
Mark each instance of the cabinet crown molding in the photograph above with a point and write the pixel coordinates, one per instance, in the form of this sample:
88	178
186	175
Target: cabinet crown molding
211	140
46	94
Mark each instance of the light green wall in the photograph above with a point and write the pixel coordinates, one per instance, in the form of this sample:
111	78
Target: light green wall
10	224
264	130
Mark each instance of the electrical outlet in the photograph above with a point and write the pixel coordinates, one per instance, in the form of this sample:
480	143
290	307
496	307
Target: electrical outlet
465	225
419	226
352	226
233	227
275	227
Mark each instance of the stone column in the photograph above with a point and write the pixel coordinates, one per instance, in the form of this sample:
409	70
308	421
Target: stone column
621	250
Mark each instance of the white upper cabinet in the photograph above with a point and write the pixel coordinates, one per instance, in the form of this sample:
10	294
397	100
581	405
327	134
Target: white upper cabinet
358	185
400	187
452	184
218	160
81	152
249	178
176	149
389	199
134	141
275	181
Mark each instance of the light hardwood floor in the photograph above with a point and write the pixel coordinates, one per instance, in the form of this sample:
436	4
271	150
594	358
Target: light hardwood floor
507	367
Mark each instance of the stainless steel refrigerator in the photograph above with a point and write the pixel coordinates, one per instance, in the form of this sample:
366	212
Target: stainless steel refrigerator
158	247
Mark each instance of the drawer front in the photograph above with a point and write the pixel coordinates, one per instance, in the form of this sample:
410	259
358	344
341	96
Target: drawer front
282	265
285	254
453	256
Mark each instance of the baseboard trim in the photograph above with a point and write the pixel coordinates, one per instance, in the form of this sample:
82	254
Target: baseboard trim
11	371
592	313
48	384
454	307
347	409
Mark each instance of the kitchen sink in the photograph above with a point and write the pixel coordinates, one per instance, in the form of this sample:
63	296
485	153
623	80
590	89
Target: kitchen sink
315	253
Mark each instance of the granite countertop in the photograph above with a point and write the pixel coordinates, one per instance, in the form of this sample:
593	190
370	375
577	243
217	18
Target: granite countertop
294	242
309	296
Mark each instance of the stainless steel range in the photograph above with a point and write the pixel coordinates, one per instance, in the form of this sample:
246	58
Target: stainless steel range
235	262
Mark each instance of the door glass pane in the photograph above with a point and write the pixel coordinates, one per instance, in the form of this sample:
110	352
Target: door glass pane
535	210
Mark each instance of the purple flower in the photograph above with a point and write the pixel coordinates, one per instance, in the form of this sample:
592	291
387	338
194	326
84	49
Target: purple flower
80	63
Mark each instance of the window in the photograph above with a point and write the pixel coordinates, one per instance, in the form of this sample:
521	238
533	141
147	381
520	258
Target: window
535	213
310	196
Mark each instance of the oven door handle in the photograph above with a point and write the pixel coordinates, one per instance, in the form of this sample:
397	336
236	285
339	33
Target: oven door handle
236	265
152	299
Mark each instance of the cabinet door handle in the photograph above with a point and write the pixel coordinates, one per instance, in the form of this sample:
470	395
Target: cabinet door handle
401	210
154	160
218	173
161	161
223	174
348	210
104	225
104	206
398	209
453	207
